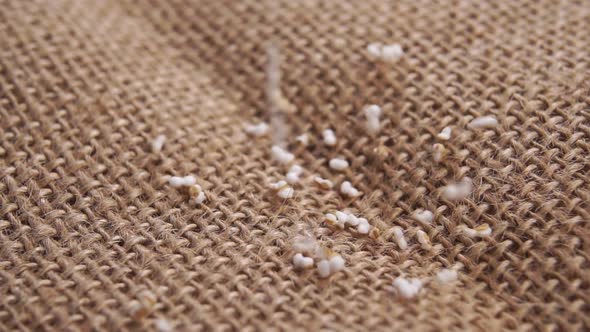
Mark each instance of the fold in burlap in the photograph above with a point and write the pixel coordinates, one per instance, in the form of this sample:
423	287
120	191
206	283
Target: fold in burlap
88	222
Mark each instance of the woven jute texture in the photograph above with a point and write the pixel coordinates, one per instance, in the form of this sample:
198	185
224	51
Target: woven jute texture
90	228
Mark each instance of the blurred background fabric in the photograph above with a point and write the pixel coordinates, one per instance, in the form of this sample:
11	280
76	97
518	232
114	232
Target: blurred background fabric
89	224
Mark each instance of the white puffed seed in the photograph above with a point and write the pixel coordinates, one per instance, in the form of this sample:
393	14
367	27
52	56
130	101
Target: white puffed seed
286	192
445	276
329	137
347	189
257	129
297	258
372	113
176	181
296	169
337	220
333	220
324	268
338	164
293	174
407	288
292	178
302	262
327	267
182	181
374	49
363	227
483	122
324	183
336	264
456	191
282	155
158	143
445	134
201	197
392	52
398	233
342	217
303	139
424	216
479	231
353	220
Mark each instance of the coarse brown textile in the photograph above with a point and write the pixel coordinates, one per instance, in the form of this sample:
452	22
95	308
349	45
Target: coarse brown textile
88	222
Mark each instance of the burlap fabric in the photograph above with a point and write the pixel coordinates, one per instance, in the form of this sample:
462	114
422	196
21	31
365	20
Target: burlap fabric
88	221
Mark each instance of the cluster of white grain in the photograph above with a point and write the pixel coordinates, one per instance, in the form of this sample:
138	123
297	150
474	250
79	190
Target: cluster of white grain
281	155
387	52
307	252
408	288
347	189
345	219
294	173
190	183
310	253
454	191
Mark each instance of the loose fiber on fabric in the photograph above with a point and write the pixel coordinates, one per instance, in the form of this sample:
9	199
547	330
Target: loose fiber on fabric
89	226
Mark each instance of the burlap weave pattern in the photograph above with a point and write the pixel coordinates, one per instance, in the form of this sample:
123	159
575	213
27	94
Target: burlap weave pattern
88	221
